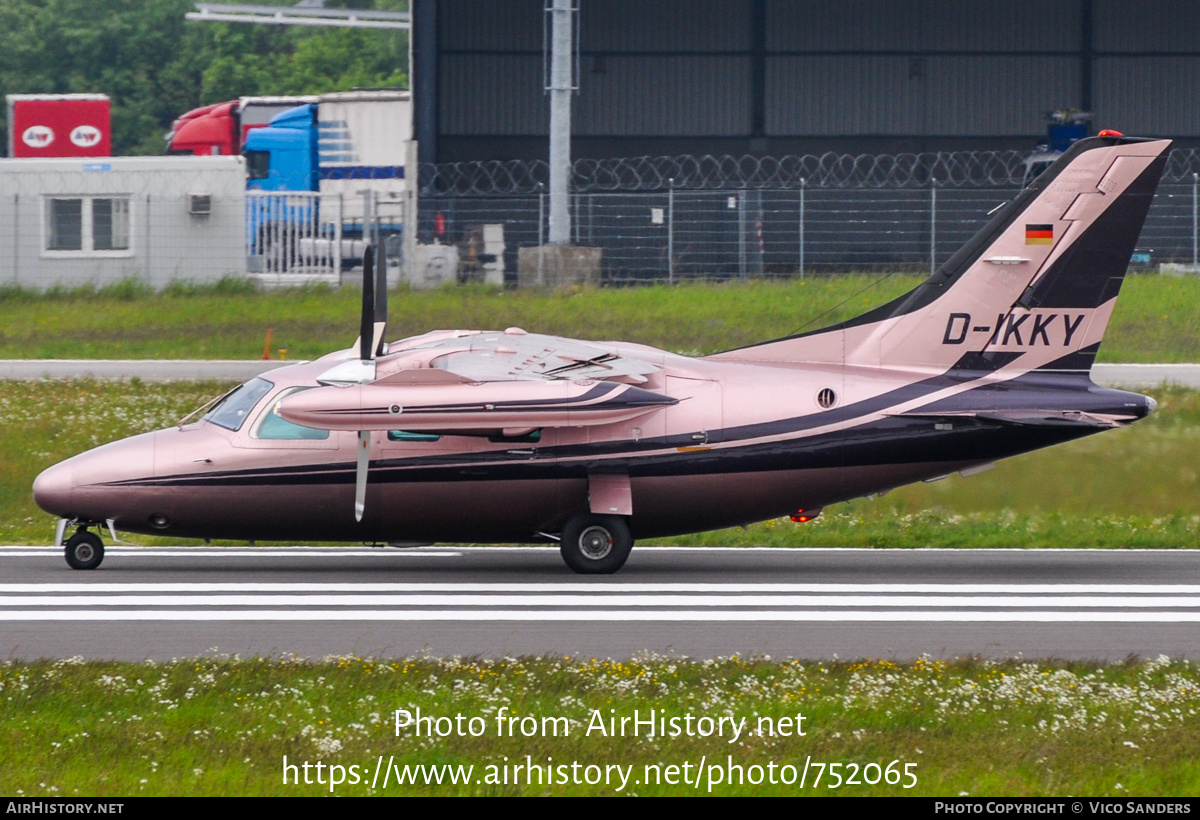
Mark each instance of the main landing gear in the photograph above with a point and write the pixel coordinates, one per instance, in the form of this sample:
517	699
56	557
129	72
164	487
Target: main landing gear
596	544
84	550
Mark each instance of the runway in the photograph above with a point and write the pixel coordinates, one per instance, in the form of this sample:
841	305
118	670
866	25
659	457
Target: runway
161	603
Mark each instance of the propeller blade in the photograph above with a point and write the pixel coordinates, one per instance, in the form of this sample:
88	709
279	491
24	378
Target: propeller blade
381	300
360	479
369	337
366	334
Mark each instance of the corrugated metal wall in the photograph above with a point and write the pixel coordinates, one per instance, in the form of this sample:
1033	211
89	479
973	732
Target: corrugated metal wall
692	95
492	94
922	25
698	25
880	95
1146	25
1148	95
830	68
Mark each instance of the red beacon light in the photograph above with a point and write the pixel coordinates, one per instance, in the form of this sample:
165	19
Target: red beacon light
802	516
1108	132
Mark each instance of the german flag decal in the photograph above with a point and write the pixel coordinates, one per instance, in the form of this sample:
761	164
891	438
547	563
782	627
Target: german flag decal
1039	234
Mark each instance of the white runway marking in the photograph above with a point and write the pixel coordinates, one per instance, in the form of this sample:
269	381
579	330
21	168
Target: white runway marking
600	615
598	602
600	586
553	600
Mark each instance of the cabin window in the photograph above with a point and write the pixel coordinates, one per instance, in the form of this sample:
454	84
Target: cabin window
405	435
96	225
231	412
273	426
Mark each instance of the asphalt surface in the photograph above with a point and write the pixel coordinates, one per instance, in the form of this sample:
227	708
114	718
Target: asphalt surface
162	603
1116	375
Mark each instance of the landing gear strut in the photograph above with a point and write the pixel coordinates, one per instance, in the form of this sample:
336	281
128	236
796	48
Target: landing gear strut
596	544
84	550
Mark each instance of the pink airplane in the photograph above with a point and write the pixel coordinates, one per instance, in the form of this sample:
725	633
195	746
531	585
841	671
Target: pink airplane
509	436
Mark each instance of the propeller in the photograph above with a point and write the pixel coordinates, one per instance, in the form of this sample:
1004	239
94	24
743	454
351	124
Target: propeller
372	327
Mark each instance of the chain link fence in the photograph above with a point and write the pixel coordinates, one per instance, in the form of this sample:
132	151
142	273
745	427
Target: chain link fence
670	219
950	169
664	219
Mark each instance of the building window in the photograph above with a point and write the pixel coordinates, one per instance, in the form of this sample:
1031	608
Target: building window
88	225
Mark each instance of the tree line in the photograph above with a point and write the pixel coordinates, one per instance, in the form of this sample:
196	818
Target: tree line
155	65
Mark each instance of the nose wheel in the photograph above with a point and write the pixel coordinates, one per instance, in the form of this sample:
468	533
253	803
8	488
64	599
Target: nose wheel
596	544
84	550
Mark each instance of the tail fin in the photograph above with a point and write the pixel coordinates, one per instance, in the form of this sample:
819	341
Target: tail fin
1034	289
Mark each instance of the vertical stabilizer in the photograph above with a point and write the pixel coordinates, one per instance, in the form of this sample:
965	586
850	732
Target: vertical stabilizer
1034	289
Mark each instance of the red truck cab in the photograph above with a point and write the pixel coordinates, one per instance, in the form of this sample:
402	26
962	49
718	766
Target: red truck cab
212	129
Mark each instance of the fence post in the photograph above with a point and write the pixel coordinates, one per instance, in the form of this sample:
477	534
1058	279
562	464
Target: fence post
16	237
932	225
741	207
541	279
575	217
671	231
1195	180
803	181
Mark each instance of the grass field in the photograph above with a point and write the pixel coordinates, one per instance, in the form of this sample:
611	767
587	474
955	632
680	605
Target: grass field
212	727
1135	487
1155	320
221	726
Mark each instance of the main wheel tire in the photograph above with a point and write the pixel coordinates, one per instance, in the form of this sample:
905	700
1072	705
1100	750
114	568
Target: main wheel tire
84	550
596	544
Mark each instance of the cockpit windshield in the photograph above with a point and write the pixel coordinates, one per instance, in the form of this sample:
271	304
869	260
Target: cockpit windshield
231	412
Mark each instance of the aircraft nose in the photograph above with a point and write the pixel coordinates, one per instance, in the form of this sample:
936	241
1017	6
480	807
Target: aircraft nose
52	490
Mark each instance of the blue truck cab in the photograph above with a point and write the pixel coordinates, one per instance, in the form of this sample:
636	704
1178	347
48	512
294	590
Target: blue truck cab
283	155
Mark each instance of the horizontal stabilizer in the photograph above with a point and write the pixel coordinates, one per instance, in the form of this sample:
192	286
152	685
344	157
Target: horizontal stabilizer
1028	418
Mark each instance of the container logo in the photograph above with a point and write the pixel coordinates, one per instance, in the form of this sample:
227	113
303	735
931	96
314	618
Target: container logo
38	136
85	136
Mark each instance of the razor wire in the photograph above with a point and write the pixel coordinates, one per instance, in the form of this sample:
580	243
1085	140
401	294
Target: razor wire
947	169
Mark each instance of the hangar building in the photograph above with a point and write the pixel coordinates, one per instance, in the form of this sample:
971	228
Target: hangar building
781	77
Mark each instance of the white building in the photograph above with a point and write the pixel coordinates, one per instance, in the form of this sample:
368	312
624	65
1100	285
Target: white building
74	222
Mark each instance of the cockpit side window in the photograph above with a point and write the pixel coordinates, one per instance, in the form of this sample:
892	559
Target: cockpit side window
232	411
273	426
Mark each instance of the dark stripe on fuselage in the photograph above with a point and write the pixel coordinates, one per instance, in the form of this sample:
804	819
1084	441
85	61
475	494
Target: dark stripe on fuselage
844	448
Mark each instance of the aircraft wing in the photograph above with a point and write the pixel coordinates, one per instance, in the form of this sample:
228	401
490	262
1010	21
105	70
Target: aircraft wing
471	381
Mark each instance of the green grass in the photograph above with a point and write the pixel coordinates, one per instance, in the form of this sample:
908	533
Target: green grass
222	726
1155	319
1134	487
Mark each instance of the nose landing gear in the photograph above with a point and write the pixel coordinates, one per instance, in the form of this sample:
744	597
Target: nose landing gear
84	550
